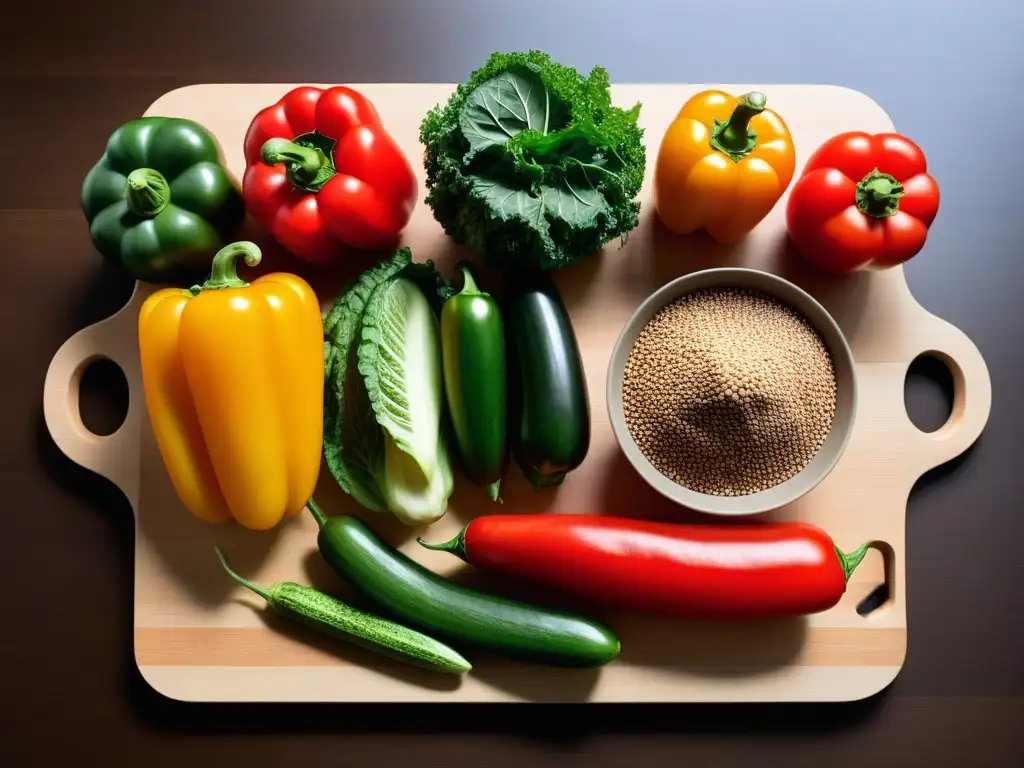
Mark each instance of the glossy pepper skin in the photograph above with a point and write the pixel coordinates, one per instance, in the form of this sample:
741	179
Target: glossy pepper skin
158	202
863	201
475	381
233	379
723	164
322	175
686	571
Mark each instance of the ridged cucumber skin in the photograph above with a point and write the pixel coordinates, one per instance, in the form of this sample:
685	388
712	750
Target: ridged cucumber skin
463	616
327	614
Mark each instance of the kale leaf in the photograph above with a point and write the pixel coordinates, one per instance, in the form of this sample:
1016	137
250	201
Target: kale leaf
530	164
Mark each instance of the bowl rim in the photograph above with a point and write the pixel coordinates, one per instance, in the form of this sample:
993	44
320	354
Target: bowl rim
725	277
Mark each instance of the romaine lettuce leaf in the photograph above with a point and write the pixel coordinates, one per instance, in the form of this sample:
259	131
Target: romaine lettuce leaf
400	360
351	451
384	440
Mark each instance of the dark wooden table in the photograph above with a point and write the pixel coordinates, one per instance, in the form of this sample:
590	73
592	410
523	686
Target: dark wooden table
71	72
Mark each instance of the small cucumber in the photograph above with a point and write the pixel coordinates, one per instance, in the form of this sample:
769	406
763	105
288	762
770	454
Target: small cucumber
407	590
550	407
329	615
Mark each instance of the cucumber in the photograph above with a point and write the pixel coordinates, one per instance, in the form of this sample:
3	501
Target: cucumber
407	590
550	407
476	382
331	616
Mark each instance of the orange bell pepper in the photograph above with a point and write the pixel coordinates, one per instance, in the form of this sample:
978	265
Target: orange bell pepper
723	164
233	377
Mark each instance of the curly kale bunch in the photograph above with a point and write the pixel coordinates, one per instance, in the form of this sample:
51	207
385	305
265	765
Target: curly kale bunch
530	164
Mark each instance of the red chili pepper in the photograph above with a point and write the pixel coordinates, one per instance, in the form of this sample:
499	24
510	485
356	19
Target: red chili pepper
686	571
322	174
862	202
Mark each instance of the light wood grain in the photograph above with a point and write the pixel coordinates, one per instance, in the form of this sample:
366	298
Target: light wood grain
269	647
198	637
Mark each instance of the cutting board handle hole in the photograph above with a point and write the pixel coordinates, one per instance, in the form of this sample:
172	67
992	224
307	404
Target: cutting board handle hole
928	392
103	397
882	595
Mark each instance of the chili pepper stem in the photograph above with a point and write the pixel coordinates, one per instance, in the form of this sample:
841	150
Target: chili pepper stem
146	192
878	195
469	287
224	272
850	561
265	594
318	514
456	546
733	137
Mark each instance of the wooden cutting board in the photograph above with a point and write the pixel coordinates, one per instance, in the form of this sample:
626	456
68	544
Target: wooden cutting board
200	637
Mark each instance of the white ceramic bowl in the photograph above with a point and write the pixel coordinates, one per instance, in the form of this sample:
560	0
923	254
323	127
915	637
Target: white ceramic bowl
846	391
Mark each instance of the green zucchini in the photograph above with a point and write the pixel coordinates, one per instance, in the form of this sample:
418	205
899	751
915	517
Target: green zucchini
407	590
329	615
550	408
475	382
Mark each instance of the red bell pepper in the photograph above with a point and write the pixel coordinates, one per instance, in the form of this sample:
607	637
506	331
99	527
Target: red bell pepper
863	201
323	175
686	571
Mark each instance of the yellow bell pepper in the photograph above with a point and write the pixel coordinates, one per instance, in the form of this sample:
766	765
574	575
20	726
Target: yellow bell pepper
233	378
723	164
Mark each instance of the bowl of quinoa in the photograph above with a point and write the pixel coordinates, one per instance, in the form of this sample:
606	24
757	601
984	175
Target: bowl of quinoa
732	391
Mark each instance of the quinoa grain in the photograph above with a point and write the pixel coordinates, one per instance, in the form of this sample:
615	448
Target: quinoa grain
729	391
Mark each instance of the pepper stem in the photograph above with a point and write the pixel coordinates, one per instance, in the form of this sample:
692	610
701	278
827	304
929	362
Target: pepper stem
306	167
456	546
244	582
734	137
469	286
224	273
147	192
878	195
318	514
850	561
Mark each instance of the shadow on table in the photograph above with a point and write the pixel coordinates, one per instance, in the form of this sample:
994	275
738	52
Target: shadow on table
556	724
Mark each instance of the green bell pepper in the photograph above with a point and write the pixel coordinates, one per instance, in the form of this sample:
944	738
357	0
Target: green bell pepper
159	203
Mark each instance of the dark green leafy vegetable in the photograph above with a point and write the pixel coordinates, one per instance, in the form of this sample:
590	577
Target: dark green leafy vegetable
531	165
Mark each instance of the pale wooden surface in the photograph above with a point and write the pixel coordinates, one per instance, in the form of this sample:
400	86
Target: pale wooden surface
199	638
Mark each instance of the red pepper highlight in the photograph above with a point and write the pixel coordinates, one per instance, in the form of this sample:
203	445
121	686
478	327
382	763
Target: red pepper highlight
686	571
322	175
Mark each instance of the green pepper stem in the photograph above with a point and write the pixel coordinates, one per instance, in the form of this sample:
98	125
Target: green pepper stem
469	286
244	582
147	192
850	561
318	514
224	273
456	546
734	137
304	163
878	195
